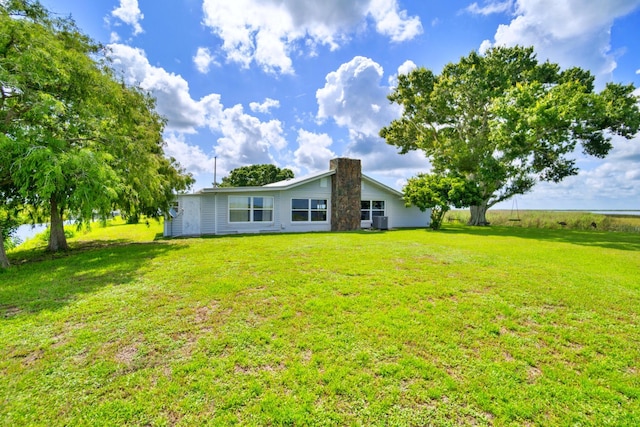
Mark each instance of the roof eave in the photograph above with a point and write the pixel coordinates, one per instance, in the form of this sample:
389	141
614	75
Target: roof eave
276	186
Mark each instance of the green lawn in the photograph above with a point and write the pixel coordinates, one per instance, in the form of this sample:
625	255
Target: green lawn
466	326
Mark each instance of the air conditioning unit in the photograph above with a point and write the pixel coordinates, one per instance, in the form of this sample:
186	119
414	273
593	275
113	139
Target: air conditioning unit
381	222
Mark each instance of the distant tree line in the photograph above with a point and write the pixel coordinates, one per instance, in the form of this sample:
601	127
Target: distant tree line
255	176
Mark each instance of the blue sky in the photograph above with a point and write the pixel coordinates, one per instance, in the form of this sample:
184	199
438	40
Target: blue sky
298	82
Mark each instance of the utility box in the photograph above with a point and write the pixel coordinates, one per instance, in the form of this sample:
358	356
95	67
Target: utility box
381	222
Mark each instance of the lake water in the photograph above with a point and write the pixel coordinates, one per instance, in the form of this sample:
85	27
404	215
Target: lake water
634	213
27	231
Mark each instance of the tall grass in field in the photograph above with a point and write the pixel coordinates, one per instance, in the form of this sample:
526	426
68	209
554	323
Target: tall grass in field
570	220
479	326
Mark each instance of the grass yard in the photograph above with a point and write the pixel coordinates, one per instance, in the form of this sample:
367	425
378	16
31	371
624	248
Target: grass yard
466	326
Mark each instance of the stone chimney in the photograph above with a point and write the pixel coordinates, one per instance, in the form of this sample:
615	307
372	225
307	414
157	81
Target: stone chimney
346	190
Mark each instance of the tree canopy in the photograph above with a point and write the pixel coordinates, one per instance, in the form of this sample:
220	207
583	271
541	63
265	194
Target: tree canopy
503	121
255	176
439	193
75	140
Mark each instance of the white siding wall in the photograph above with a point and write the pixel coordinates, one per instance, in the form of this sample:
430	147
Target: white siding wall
399	215
208	213
173	227
190	214
408	217
226	227
312	190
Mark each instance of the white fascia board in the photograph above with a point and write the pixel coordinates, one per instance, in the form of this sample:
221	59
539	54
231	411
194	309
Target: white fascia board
292	183
276	186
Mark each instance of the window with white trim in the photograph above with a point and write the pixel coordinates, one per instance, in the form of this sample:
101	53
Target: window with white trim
371	208
309	210
250	209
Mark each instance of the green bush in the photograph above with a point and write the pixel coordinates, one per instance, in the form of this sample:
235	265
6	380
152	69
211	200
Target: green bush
11	242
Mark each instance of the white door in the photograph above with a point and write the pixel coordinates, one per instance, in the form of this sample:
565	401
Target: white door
191	216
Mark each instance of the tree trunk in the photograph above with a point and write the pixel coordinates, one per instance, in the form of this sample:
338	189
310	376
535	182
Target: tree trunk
478	214
437	214
57	239
4	261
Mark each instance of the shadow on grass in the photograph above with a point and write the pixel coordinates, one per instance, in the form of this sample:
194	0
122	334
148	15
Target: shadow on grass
612	240
40	281
606	239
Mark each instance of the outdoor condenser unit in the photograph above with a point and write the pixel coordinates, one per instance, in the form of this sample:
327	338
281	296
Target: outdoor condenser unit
381	222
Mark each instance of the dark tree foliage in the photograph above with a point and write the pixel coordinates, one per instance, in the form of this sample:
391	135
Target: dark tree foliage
255	176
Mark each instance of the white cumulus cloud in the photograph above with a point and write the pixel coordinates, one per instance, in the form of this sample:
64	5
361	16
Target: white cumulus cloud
203	60
191	157
269	32
241	139
393	22
265	107
407	67
355	99
313	151
610	183
174	101
490	7
245	139
571	32
129	13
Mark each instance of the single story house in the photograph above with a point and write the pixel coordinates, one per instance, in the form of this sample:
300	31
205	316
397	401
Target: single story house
340	199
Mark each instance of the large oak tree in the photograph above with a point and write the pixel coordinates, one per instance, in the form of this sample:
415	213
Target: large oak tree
503	121
75	140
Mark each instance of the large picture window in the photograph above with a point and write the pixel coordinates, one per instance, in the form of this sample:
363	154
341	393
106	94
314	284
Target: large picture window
371	208
308	210
250	209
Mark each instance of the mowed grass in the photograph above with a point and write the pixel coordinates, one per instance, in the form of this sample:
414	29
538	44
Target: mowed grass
465	326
